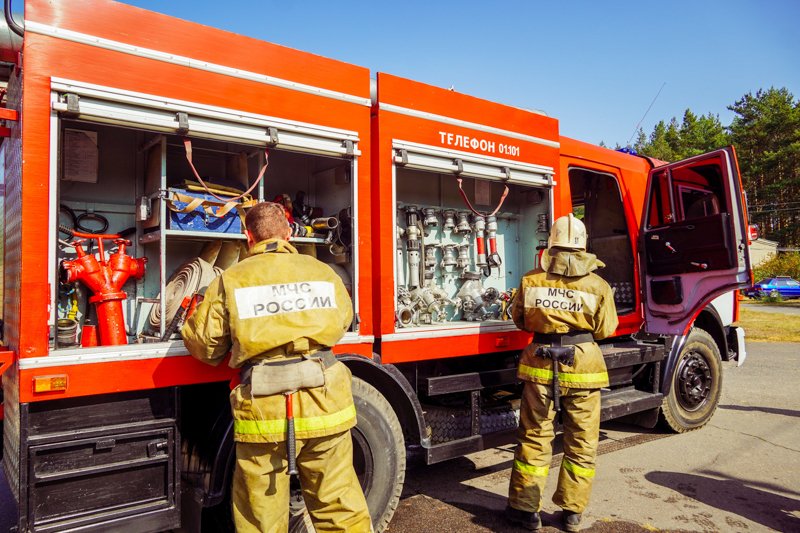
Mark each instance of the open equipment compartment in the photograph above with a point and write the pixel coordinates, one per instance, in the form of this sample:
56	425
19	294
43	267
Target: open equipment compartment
447	284
123	170
445	275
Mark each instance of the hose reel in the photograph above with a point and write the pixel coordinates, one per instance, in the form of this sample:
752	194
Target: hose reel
189	279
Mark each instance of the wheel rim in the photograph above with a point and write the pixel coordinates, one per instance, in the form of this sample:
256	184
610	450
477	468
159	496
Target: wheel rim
362	460
694	381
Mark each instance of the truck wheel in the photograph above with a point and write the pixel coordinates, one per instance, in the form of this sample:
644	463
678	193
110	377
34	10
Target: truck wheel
696	384
379	453
379	458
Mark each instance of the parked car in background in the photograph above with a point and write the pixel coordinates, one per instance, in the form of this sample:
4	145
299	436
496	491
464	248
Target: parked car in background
782	286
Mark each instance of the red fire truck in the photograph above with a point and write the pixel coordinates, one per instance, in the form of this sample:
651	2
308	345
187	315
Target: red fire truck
429	203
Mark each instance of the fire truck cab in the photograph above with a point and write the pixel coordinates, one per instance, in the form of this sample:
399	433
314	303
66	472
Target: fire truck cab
133	143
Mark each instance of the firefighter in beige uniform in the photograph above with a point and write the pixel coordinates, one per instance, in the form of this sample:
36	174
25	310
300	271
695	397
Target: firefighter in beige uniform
566	306
272	311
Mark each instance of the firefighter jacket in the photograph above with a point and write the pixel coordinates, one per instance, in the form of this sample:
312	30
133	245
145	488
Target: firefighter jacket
277	305
561	297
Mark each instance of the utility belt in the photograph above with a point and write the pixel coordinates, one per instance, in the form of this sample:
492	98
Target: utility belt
563	339
267	377
559	348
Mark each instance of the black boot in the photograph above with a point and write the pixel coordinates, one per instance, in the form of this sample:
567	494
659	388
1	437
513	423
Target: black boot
526	519
571	520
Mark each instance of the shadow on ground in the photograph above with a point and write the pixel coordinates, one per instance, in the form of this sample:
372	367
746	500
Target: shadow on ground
751	500
422	513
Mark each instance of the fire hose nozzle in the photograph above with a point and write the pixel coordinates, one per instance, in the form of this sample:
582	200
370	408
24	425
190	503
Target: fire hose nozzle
325	223
430	216
449	219
463	223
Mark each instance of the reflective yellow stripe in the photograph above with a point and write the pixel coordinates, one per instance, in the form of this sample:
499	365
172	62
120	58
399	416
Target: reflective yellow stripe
534	372
525	468
563	377
569	466
583	378
312	423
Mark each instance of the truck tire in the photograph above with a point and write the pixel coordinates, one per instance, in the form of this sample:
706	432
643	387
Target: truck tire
379	453
379	458
696	384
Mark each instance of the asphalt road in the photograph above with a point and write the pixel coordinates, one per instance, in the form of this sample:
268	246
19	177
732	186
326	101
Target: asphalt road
780	309
737	474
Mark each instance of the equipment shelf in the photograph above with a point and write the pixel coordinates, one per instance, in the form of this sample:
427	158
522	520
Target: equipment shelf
155	236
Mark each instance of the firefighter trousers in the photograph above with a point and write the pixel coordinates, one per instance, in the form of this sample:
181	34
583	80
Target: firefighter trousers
331	490
581	420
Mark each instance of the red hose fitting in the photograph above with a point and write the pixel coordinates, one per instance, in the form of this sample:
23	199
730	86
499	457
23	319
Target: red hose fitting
105	279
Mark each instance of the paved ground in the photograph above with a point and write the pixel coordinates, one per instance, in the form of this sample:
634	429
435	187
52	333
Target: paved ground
781	309
737	474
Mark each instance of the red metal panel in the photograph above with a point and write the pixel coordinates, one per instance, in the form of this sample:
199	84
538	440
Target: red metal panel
120	376
139	27
401	351
6	359
8	114
47	57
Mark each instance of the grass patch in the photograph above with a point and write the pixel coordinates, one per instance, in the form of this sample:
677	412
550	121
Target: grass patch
769	327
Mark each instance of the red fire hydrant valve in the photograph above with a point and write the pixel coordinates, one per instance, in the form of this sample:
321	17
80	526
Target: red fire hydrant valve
105	279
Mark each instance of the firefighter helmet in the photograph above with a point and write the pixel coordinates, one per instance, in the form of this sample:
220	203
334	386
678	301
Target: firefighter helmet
568	232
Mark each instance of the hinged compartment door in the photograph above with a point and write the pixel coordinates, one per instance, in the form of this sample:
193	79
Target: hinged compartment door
694	243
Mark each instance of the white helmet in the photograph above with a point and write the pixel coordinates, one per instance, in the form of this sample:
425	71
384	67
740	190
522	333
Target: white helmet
568	232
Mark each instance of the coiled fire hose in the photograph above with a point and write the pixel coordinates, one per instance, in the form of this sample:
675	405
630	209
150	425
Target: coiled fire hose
189	279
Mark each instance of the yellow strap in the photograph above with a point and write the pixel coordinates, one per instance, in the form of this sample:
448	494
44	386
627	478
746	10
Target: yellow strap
525	468
569	466
192	203
311	423
223	208
215	187
563	377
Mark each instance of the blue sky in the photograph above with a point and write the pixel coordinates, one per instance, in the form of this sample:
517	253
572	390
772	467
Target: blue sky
596	66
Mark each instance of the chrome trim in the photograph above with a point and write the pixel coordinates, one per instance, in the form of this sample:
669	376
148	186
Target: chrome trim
544	173
466	124
434	332
169	106
53	210
132	352
148	53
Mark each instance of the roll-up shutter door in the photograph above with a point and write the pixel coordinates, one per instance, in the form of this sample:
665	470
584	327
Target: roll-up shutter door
137	110
434	159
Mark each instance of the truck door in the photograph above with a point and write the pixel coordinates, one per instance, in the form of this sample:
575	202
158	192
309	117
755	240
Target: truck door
693	244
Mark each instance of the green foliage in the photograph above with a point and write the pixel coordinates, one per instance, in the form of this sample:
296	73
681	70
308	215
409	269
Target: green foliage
784	264
671	141
772	299
766	134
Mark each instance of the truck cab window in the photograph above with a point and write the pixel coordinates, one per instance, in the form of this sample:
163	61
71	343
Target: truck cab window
698	203
686	193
